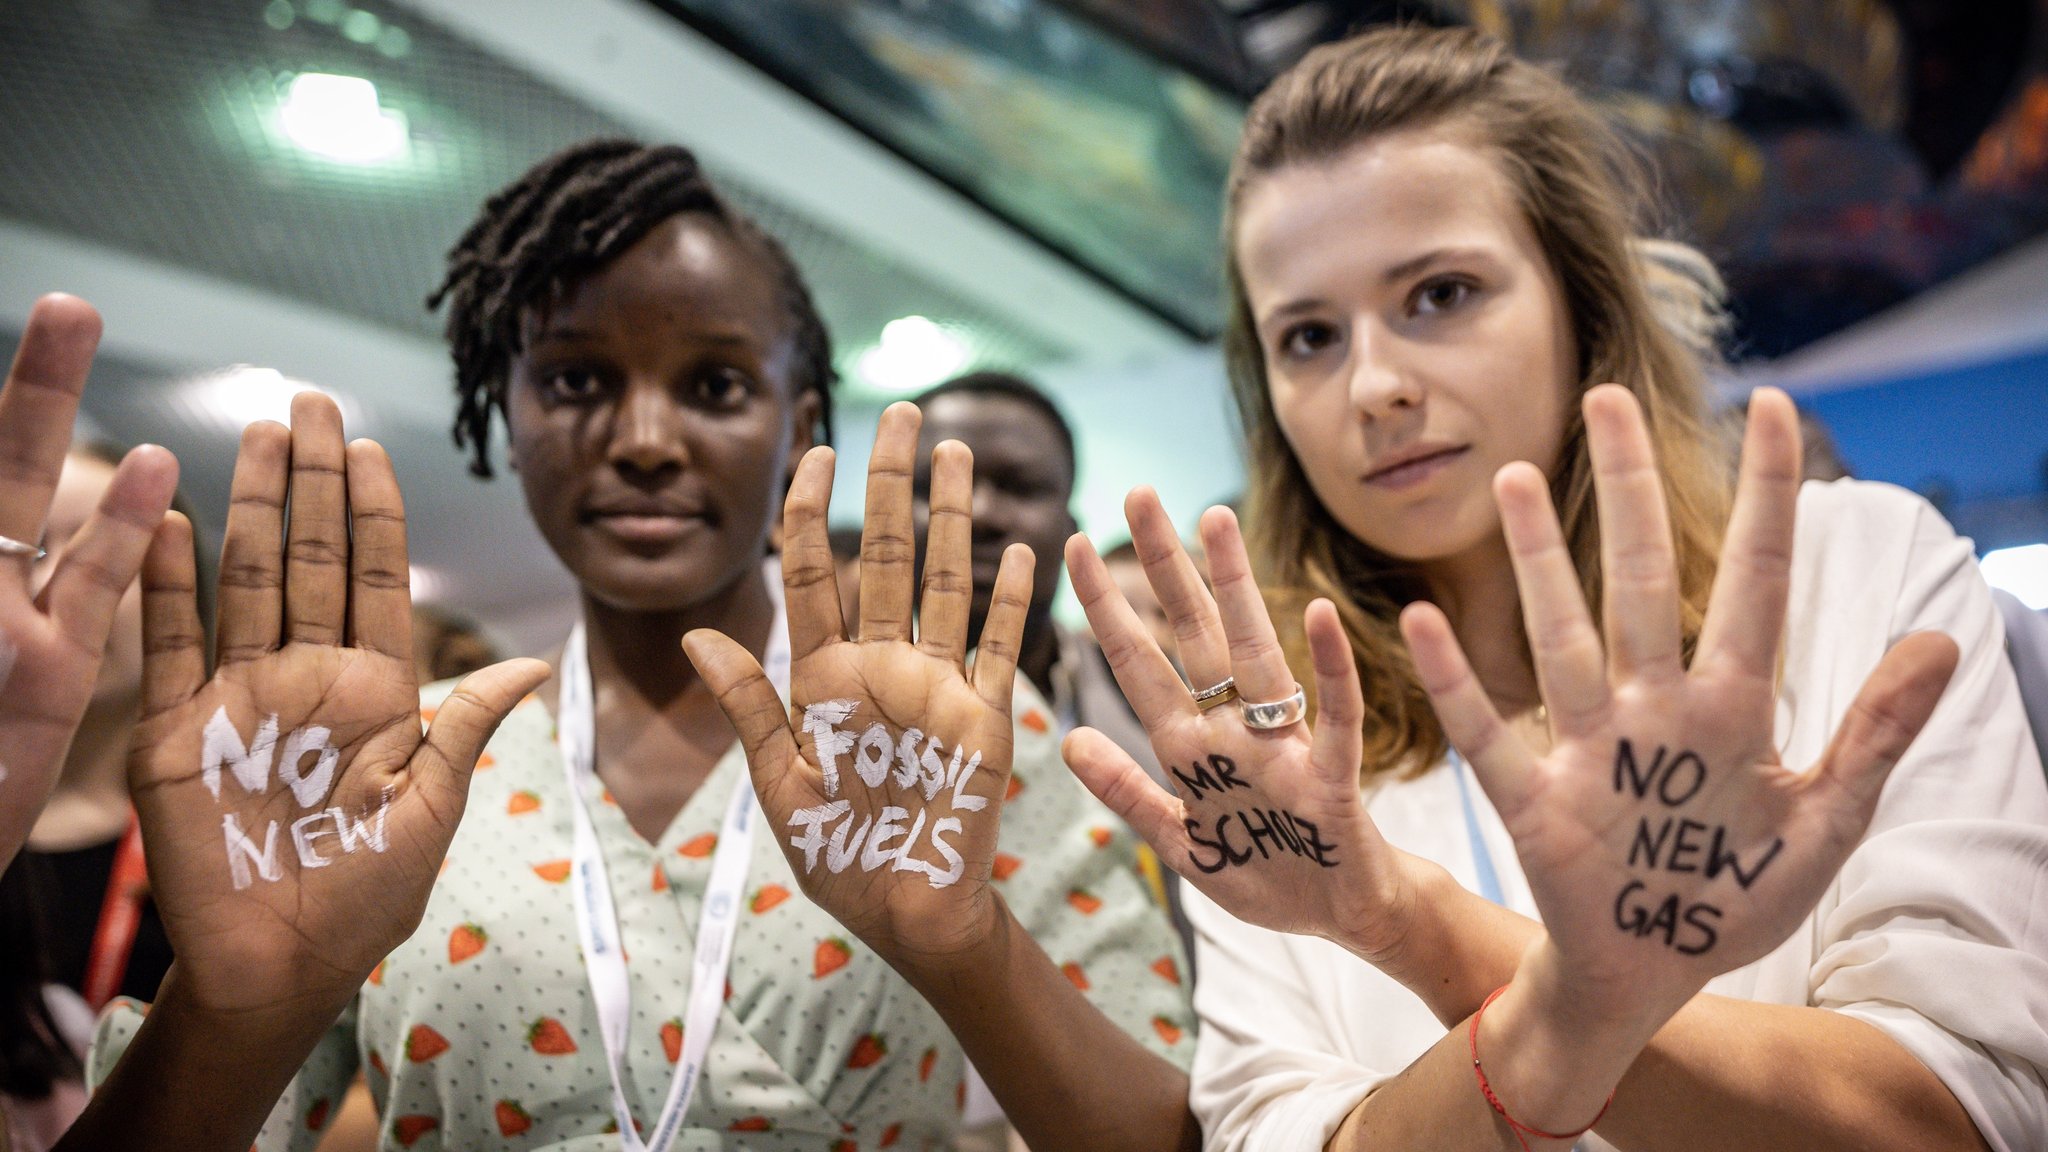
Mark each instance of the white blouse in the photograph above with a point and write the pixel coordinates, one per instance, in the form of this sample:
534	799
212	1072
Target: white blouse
1936	930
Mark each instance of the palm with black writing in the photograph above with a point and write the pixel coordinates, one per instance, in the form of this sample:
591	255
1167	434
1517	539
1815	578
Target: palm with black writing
1267	823
51	642
294	815
885	736
1663	840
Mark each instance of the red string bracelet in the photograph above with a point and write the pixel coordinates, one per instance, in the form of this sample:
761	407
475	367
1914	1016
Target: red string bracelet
1522	1131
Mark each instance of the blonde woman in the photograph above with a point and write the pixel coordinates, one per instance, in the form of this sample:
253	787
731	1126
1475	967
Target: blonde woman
1752	862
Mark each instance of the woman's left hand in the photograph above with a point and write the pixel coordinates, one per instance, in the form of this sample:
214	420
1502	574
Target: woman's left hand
884	779
1663	840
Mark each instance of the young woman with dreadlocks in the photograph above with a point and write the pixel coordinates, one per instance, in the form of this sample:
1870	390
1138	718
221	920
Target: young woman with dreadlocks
659	368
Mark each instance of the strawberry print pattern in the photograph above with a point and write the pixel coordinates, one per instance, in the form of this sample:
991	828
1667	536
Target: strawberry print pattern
489	1039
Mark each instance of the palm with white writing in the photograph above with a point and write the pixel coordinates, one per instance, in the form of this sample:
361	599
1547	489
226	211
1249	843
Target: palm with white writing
294	815
885	737
1267	823
1663	840
51	642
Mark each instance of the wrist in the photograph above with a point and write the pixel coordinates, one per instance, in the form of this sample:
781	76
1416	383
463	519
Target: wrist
1445	943
1624	1014
189	998
974	954
1398	927
1540	1069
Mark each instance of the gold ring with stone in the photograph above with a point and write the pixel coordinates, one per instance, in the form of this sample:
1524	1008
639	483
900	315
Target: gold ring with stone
1220	693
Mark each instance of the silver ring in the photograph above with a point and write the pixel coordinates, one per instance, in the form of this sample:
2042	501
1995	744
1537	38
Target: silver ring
9	546
1279	713
1215	694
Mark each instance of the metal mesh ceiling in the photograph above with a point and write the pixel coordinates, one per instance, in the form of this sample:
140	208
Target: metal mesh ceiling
150	127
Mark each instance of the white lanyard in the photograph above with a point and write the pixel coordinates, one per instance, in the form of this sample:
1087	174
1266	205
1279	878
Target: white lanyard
1482	857
598	921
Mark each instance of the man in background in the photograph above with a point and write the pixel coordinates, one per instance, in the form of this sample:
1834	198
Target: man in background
1024	471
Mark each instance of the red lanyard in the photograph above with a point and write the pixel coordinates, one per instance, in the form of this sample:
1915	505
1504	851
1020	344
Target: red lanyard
120	915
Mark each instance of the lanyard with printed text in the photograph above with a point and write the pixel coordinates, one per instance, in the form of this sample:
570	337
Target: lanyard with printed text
1482	857
597	919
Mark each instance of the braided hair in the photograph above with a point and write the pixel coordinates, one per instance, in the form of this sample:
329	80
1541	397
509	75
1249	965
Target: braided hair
568	216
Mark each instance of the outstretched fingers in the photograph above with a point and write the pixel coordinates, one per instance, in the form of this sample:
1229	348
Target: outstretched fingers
316	541
1256	659
1182	594
37	407
1639	569
380	575
1002	634
756	713
463	724
1142	671
252	552
1884	719
948	600
810	573
1498	757
1339	747
888	537
1570	663
102	559
1746	612
173	640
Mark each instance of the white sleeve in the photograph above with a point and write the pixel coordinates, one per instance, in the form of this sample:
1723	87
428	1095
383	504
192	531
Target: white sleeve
1940	933
1266	1072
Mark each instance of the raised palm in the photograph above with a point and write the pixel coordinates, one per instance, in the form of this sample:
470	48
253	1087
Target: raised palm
294	814
1663	840
1268	823
51	643
884	777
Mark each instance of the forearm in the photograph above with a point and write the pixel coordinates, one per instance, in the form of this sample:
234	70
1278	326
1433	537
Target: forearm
1066	1076
1733	1074
194	1080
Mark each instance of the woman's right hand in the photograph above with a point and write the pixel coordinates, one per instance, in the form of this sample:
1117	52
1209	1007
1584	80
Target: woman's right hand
295	816
1270	824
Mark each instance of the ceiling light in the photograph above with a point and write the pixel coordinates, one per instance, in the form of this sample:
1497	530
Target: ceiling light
238	396
361	27
427	584
2022	571
338	117
914	353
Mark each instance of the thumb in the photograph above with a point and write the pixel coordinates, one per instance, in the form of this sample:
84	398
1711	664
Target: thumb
751	705
1887	714
1155	814
464	722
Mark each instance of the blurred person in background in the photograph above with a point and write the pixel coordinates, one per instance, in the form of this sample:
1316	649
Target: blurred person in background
1025	467
1129	573
44	1026
448	645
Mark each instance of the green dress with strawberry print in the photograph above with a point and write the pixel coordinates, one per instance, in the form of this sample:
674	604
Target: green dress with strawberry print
480	1032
